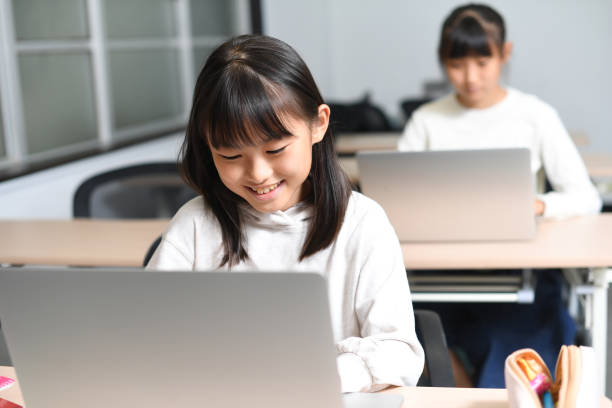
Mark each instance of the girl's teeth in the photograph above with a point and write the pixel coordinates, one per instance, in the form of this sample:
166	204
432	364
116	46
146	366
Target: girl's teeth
267	189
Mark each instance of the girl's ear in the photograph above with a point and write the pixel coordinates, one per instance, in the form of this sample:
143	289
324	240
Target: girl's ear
319	126
507	51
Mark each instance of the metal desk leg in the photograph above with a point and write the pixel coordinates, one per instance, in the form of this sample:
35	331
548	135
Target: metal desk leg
599	313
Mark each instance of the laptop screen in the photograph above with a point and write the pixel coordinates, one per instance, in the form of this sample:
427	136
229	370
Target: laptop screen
460	195
127	338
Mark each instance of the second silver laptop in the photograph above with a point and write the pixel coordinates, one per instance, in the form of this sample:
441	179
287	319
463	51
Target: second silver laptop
459	195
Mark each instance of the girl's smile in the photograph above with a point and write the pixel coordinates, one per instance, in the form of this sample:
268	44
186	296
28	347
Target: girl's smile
266	192
271	175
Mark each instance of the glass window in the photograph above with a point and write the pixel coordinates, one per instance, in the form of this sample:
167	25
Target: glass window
62	86
146	86
139	18
58	100
212	17
44	19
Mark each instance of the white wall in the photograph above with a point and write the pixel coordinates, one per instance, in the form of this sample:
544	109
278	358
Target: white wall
48	194
562	51
306	26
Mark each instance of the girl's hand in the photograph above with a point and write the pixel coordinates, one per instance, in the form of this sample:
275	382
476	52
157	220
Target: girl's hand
539	207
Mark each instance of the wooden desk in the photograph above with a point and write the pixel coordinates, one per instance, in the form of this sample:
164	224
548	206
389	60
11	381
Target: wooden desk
571	243
577	242
435	397
580	138
83	242
351	143
422	397
599	165
580	242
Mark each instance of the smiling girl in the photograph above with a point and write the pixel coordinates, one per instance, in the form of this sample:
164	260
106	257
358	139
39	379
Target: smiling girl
273	198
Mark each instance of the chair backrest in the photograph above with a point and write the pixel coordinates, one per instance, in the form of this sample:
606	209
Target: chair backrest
438	371
148	190
359	116
410	105
150	252
5	359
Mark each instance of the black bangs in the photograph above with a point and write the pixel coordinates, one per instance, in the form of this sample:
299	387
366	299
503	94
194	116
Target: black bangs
467	38
469	30
247	110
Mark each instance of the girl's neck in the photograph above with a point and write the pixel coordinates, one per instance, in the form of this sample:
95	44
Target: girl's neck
496	96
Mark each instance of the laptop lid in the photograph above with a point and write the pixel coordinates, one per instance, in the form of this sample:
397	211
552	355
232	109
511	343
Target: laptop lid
132	338
460	195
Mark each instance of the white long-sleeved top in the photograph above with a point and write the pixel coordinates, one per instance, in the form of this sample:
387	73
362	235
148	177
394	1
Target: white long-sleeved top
370	305
519	120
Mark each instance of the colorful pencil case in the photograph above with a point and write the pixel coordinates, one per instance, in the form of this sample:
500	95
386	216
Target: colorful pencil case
5	382
530	384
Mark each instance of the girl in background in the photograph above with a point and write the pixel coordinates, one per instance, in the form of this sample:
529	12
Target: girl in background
273	198
481	114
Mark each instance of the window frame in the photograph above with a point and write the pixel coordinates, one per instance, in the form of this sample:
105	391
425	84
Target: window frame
17	162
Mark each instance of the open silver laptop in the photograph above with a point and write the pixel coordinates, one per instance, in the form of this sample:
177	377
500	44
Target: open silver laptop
459	195
102	338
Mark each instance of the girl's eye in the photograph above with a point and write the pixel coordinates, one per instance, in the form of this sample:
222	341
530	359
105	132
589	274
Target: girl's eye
230	157
277	150
482	62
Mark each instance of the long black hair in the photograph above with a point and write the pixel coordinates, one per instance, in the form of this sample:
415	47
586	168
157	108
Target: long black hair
470	30
247	86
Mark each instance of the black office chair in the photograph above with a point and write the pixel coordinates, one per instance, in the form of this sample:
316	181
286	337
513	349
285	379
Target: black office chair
148	190
358	116
151	251
5	359
438	371
410	105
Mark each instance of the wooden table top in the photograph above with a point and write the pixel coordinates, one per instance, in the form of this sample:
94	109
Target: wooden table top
574	242
422	397
81	242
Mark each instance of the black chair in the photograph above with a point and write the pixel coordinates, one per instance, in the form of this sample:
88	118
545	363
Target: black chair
151	251
410	105
358	116
148	190
5	359
438	371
